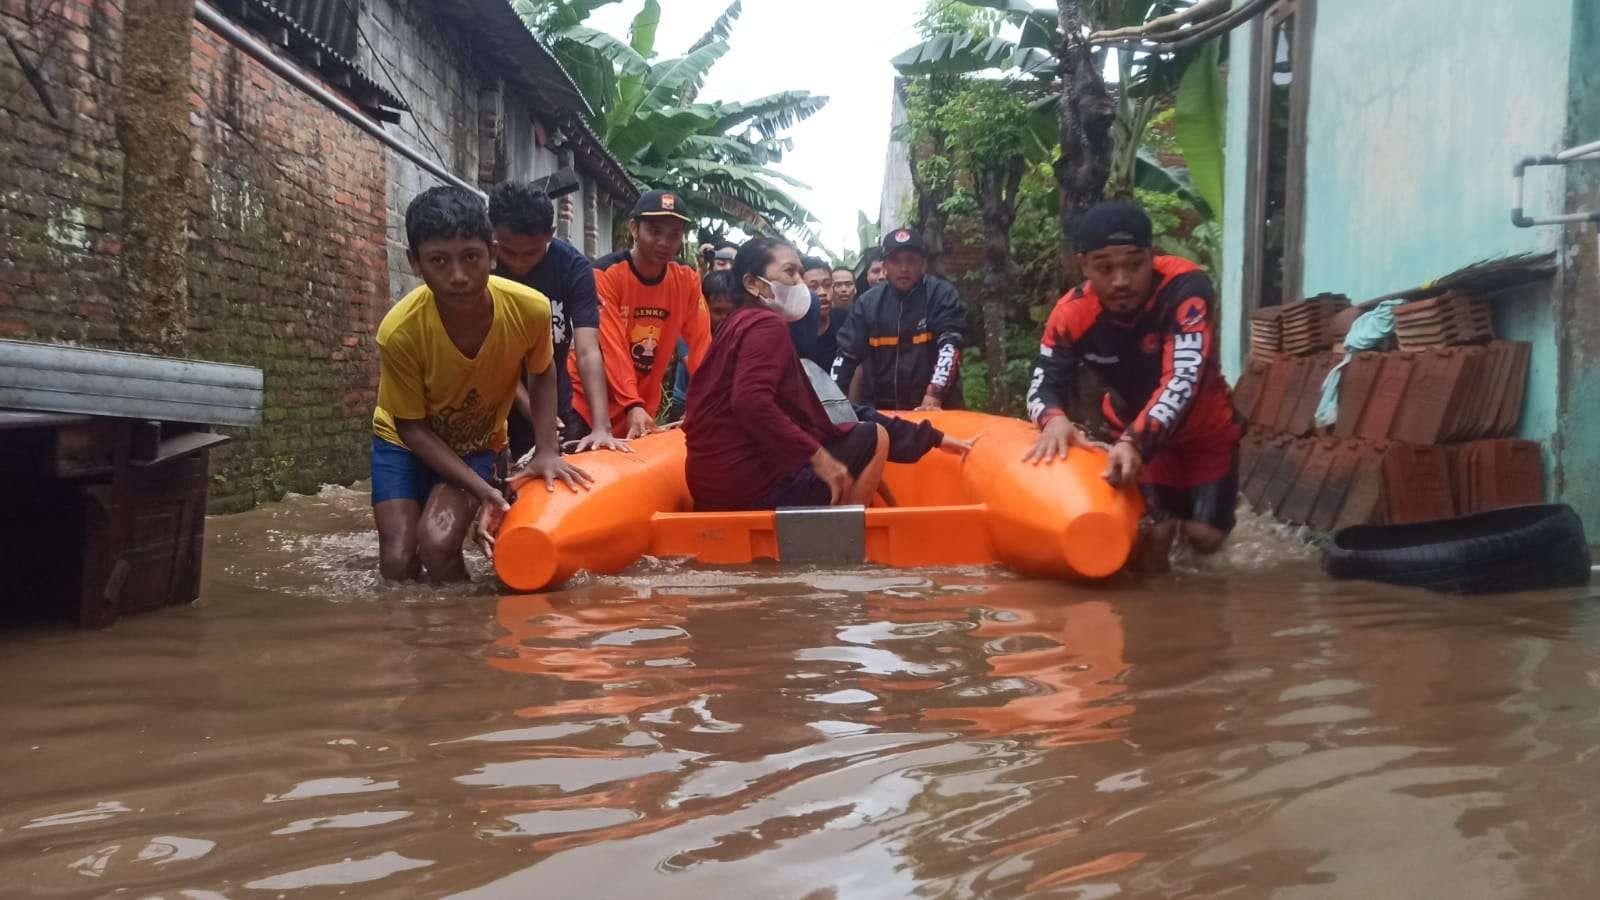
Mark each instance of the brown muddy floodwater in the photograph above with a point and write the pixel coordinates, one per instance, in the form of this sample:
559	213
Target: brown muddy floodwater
1247	730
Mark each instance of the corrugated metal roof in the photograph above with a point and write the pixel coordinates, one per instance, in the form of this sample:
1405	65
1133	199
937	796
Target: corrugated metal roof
329	28
331	21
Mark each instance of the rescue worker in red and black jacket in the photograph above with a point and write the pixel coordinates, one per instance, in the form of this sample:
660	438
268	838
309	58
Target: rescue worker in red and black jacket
905	334
1146	324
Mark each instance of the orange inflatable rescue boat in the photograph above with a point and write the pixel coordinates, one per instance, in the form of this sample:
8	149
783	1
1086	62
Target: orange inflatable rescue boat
1060	520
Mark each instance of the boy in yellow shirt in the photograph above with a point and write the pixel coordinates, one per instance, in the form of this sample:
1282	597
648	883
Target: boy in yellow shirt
449	356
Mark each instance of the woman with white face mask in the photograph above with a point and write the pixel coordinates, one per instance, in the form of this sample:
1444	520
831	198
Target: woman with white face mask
757	436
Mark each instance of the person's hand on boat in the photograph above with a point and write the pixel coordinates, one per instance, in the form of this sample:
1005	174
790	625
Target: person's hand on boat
955	446
552	468
929	403
640	423
602	440
1057	437
832	473
1124	463
492	509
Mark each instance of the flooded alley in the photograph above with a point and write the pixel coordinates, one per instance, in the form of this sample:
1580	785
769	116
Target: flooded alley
1248	730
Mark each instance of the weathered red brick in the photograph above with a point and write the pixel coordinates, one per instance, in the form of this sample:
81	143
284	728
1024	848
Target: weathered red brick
252	183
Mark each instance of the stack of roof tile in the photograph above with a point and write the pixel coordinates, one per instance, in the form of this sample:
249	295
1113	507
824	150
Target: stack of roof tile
1449	318
1247	393
1308	325
1497	473
1416	484
1266	334
1321	482
1442	395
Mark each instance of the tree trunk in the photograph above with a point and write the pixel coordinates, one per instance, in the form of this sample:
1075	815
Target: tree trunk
931	218
997	199
153	128
1087	114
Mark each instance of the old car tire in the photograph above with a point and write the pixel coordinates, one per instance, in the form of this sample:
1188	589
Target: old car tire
1520	548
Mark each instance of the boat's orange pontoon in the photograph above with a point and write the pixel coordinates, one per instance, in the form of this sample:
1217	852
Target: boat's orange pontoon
1059	520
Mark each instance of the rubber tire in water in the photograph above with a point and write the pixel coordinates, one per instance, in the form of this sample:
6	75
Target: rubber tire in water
1522	548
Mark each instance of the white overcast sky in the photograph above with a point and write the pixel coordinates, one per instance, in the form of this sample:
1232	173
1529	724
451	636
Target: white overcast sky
838	48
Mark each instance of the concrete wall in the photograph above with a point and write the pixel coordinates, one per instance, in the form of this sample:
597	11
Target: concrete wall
527	160
1417	111
437	77
897	187
432	71
1578	445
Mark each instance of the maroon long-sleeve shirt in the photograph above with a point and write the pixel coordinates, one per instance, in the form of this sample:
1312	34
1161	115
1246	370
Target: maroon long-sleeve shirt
751	417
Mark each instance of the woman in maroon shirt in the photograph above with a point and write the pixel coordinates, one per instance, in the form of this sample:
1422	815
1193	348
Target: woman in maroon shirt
758	437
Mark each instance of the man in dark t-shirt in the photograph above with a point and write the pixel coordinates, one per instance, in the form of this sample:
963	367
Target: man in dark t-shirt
527	251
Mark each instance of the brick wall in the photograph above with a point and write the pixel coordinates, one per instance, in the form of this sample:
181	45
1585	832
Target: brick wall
60	177
286	254
287	272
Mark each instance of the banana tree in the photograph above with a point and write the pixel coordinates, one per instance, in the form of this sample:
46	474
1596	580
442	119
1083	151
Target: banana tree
717	156
1101	135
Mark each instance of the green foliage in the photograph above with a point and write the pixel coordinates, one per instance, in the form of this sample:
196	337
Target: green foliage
717	156
987	122
1200	110
1022	350
1036	242
976	124
1181	229
1162	208
944	17
547	16
1158	137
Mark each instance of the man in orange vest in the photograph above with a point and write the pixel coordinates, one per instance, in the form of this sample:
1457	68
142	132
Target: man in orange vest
647	301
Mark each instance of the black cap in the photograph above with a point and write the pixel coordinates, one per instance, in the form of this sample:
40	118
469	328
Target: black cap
902	239
658	203
1114	223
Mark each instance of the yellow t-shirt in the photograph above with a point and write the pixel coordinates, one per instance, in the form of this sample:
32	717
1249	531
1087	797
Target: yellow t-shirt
422	374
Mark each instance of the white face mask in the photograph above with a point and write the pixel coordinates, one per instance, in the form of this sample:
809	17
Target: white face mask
792	301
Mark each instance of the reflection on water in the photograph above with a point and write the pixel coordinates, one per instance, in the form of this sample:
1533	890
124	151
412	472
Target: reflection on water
1241	727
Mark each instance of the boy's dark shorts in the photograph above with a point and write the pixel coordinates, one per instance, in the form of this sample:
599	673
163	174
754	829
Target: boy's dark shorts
398	474
802	487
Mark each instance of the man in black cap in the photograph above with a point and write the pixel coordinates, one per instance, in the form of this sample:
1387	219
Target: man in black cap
647	301
905	335
1146	324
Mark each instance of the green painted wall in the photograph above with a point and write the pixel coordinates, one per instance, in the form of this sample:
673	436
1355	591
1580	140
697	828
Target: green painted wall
1417	111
